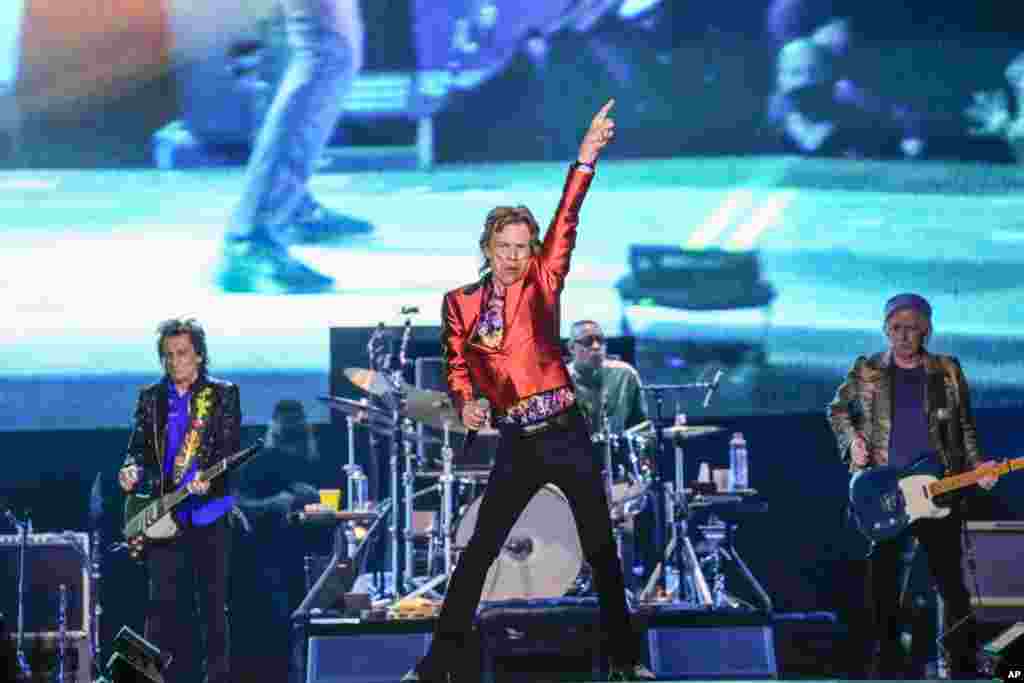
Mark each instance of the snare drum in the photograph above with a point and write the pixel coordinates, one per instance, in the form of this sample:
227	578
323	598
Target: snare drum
542	555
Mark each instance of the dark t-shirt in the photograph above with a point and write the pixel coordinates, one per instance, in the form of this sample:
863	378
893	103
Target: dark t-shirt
909	437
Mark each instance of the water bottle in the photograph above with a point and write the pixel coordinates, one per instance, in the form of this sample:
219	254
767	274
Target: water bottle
360	490
739	478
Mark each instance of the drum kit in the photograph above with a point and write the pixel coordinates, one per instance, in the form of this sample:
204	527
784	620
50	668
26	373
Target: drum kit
542	556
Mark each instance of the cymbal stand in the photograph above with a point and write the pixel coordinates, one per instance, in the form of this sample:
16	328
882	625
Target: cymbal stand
658	490
447	517
662	520
448	501
409	493
381	360
609	441
692	586
351	467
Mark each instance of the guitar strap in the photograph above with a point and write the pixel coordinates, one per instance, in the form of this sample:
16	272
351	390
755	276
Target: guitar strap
194	436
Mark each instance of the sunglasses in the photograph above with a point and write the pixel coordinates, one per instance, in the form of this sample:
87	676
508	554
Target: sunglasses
590	339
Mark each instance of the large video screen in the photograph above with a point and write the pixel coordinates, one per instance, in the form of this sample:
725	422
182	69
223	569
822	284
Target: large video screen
780	169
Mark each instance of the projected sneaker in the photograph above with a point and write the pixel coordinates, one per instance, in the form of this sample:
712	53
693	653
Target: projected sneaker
316	224
251	267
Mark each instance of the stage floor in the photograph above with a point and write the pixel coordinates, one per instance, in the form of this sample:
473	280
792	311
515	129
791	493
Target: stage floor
94	259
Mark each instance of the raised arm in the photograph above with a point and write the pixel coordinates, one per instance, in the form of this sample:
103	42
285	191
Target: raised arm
561	235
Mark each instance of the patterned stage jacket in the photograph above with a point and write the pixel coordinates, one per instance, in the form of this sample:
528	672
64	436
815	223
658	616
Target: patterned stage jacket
864	402
221	437
529	359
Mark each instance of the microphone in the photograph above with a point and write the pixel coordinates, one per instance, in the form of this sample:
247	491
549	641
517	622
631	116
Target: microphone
484	404
409	310
713	388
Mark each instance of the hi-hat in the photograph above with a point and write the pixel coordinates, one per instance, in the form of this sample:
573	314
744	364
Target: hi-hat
644	430
475	475
690	431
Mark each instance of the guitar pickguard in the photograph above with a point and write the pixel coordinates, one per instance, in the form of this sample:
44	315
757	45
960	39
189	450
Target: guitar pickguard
163	528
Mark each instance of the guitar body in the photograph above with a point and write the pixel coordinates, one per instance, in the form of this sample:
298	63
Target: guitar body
886	500
149	518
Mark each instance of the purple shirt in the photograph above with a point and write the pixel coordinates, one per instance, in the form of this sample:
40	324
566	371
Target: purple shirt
199	509
908	440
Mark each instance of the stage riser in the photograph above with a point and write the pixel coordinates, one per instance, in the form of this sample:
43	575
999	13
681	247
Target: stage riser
680	653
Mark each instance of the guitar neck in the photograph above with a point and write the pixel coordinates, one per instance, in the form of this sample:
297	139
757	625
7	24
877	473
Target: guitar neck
959	481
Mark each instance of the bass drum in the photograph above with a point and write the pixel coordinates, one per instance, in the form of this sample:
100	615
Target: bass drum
542	555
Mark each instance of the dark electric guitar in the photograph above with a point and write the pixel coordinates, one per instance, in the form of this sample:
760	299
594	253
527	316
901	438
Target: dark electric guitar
886	500
149	519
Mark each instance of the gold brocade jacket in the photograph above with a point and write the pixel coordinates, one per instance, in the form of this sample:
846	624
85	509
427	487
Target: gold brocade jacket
864	403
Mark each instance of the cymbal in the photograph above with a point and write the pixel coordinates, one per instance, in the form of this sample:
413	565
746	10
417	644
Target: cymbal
370	381
690	431
435	409
645	431
355	408
474	474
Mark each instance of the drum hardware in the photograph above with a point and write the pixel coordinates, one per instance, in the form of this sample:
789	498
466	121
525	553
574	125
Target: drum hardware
361	411
718	547
672	513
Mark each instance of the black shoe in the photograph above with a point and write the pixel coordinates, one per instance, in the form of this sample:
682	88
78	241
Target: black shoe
319	225
635	672
266	268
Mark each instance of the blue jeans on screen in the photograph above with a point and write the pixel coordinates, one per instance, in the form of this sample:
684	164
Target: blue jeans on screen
326	42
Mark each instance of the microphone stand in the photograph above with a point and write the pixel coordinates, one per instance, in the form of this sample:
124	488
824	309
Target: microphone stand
24	529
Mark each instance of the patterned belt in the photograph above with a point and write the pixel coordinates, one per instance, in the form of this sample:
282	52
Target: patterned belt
561	420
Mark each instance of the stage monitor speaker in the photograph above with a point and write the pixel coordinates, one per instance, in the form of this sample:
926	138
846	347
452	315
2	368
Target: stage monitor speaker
712	652
998	594
364	658
135	659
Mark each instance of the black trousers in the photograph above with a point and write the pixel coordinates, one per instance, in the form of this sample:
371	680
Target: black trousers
562	456
940	539
188	591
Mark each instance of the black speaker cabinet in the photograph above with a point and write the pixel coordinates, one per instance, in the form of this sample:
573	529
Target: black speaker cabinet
998	546
363	657
712	647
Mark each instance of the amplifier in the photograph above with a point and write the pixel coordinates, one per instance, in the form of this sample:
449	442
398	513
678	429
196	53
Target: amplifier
998	593
51	559
42	650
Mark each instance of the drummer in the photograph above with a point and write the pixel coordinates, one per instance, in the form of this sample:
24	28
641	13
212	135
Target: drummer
609	386
603	383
